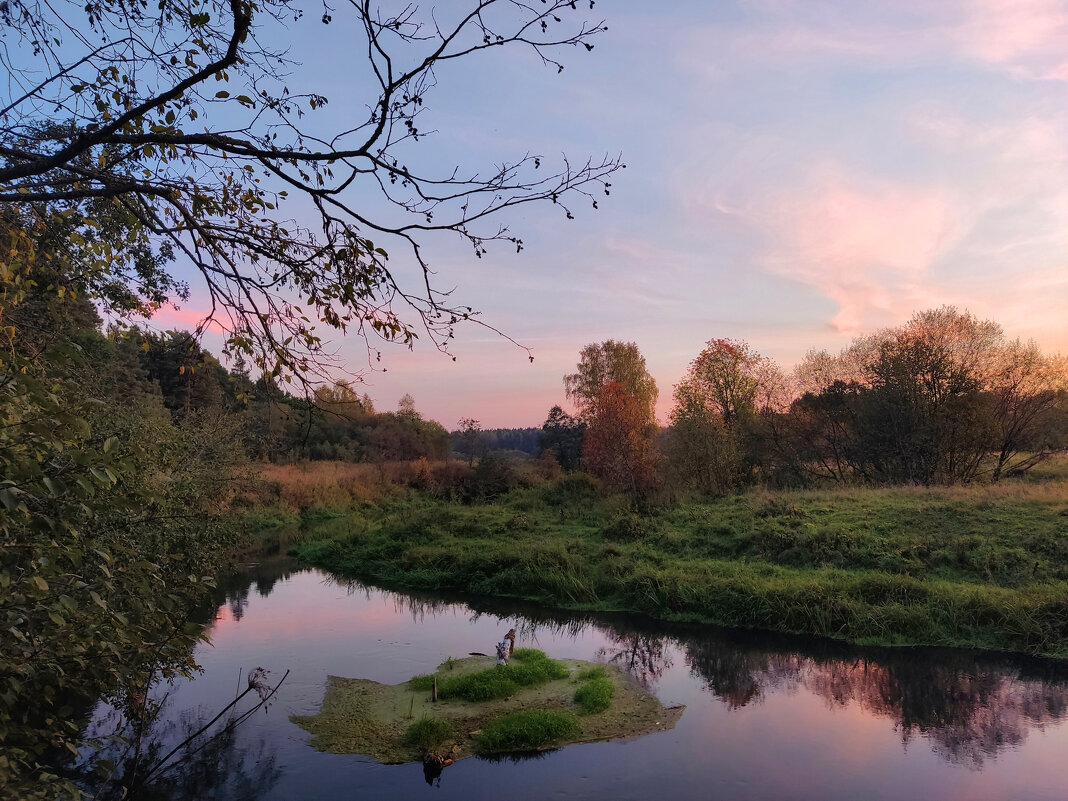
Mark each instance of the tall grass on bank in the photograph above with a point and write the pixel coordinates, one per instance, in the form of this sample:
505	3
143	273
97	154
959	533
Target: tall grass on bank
972	566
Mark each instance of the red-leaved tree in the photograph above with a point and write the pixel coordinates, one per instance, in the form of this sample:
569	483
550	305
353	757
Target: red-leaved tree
618	447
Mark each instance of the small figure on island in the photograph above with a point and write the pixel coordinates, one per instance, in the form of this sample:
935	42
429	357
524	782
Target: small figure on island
502	652
510	636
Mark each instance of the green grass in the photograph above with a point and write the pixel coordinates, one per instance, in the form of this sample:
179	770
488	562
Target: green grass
526	730
428	734
595	695
422	683
596	672
976	566
530	668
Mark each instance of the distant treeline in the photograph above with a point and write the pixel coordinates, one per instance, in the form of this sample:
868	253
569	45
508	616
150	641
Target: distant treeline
515	440
943	399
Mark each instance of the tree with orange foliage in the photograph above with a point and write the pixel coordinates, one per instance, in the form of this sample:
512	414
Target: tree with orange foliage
618	447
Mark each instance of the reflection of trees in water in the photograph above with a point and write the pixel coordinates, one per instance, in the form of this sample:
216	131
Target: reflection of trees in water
233	589
967	707
643	656
968	712
737	676
225	766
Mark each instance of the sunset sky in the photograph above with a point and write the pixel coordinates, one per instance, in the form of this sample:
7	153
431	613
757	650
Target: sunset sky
798	172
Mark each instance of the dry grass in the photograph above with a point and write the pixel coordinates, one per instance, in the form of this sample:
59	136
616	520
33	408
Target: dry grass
336	485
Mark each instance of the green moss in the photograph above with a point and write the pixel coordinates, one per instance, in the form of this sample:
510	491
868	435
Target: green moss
595	695
526	730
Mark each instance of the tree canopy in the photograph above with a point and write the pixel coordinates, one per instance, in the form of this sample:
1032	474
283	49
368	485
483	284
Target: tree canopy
180	115
611	362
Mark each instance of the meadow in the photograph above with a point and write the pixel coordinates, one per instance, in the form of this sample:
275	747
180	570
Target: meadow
981	565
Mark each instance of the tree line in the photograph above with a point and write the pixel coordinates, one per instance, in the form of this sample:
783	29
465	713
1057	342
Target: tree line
944	399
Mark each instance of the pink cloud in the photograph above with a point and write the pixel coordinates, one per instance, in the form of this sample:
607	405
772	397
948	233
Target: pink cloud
173	316
1026	38
866	244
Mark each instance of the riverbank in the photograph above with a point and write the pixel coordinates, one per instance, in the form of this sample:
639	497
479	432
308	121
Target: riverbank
983	567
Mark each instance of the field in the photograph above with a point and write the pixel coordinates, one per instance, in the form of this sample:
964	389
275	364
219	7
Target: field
982	566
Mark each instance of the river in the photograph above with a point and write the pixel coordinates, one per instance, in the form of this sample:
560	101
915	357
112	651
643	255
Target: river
767	716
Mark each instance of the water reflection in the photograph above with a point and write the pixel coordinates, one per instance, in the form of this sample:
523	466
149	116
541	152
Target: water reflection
645	657
965	706
218	764
968	707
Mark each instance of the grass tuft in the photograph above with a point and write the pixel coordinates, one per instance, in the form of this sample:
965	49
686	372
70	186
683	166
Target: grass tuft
595	695
595	672
502	681
526	730
428	734
422	683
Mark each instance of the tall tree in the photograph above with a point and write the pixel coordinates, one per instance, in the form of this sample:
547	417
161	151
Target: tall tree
700	450
470	439
611	362
618	446
732	378
562	435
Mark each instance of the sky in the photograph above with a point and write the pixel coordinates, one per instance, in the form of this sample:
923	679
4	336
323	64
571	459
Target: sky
799	172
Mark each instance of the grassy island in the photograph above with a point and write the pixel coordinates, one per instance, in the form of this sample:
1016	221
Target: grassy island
977	566
531	704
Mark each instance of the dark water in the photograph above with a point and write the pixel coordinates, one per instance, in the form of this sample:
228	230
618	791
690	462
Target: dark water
767	717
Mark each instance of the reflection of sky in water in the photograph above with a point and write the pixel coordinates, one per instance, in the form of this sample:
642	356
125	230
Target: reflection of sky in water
766	717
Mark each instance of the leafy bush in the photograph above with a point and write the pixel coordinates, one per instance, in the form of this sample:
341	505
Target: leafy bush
595	672
572	490
628	527
526	730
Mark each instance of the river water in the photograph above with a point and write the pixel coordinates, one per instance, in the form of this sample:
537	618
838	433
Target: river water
767	716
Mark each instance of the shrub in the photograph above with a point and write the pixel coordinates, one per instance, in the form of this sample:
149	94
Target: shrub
628	527
575	489
595	695
526	730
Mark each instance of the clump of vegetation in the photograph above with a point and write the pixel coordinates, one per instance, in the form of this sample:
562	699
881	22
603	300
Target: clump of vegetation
595	672
532	667
595	695
423	683
486	685
427	735
526	730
